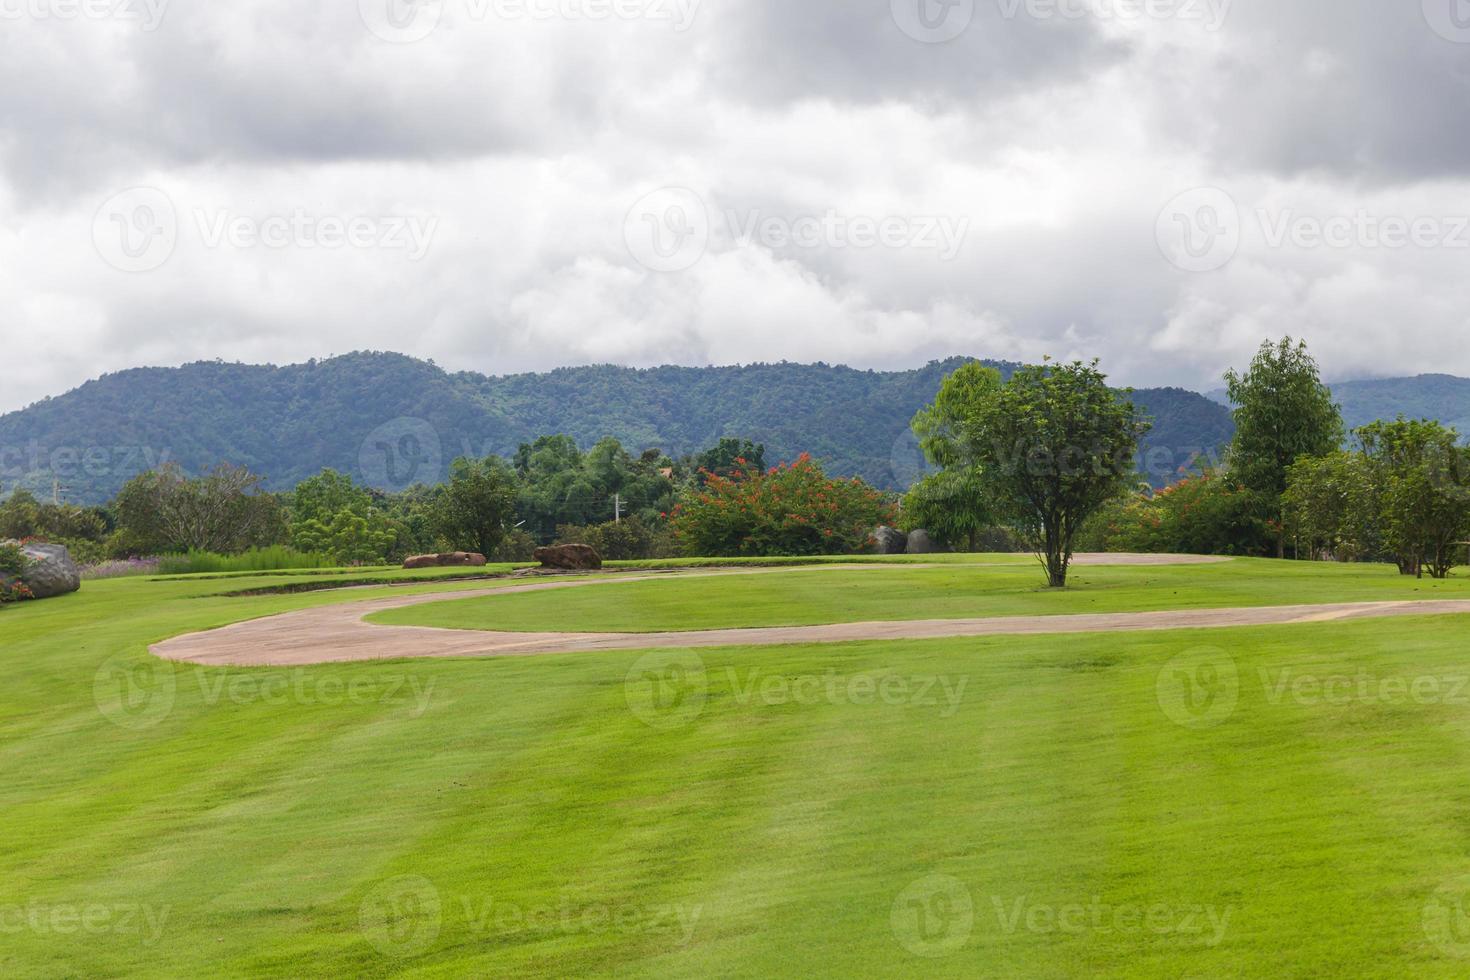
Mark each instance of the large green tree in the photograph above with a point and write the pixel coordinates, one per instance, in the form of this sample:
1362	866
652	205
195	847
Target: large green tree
478	505
951	504
1419	471
1053	446
1283	412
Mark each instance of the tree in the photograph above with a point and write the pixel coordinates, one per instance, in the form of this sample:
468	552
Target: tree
1420	472
224	511
951	504
1053	446
478	505
1333	505
794	509
1283	412
1403	497
332	515
728	457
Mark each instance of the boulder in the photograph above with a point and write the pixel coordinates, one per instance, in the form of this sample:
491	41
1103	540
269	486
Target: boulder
570	557
891	541
920	543
453	559
51	571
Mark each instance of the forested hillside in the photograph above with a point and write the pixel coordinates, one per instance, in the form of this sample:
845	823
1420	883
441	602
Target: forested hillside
389	418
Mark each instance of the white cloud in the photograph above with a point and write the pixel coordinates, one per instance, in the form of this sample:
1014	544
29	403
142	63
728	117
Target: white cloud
524	143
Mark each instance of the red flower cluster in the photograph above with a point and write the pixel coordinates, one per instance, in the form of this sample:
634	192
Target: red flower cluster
793	509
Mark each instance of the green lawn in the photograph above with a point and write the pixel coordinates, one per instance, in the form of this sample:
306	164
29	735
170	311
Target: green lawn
1149	805
806	597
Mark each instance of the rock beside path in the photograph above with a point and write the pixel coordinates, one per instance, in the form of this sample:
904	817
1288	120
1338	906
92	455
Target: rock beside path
51	571
453	559
570	557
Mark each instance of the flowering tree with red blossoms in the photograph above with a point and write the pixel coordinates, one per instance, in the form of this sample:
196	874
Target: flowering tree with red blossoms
792	510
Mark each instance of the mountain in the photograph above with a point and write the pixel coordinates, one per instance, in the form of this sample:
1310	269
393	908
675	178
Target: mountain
391	419
1441	397
1429	396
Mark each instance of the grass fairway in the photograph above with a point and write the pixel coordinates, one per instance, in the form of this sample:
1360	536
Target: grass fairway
807	597
1285	802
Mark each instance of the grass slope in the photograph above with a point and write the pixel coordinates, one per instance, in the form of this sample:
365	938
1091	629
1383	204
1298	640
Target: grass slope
812	597
1139	806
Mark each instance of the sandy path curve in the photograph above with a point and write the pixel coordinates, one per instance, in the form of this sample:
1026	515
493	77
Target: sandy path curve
338	634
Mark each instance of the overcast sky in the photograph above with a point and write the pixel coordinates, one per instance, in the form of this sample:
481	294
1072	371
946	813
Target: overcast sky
509	185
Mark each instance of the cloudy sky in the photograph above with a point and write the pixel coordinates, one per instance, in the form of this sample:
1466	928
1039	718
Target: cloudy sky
508	185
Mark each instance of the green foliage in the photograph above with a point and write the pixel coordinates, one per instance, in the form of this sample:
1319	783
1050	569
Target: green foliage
12	563
274	558
290	422
794	509
477	506
1283	413
951	504
1403	496
728	457
1333	506
632	539
1208	514
1053	446
23	516
332	515
163	512
560	485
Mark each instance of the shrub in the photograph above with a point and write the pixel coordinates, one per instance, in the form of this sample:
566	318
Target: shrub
792	510
516	546
631	539
275	558
1204	515
12	562
122	568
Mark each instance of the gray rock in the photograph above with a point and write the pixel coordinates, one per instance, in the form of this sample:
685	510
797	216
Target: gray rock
891	541
920	543
51	571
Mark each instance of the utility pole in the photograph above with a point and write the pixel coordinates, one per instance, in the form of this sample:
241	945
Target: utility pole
617	508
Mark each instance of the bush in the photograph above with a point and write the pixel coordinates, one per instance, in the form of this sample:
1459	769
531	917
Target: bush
517	546
1203	515
632	539
122	568
12	563
792	510
275	558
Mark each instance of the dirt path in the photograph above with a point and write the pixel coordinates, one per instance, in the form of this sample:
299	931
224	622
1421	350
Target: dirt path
336	634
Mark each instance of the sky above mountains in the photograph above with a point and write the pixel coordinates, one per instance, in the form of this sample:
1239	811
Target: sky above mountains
508	185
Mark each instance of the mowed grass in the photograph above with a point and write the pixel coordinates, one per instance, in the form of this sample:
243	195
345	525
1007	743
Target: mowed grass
1138	806
806	597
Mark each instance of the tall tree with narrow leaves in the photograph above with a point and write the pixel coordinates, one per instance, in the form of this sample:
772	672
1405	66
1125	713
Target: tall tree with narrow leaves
1283	412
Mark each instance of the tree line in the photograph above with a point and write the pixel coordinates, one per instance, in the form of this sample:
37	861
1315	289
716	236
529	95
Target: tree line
551	491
